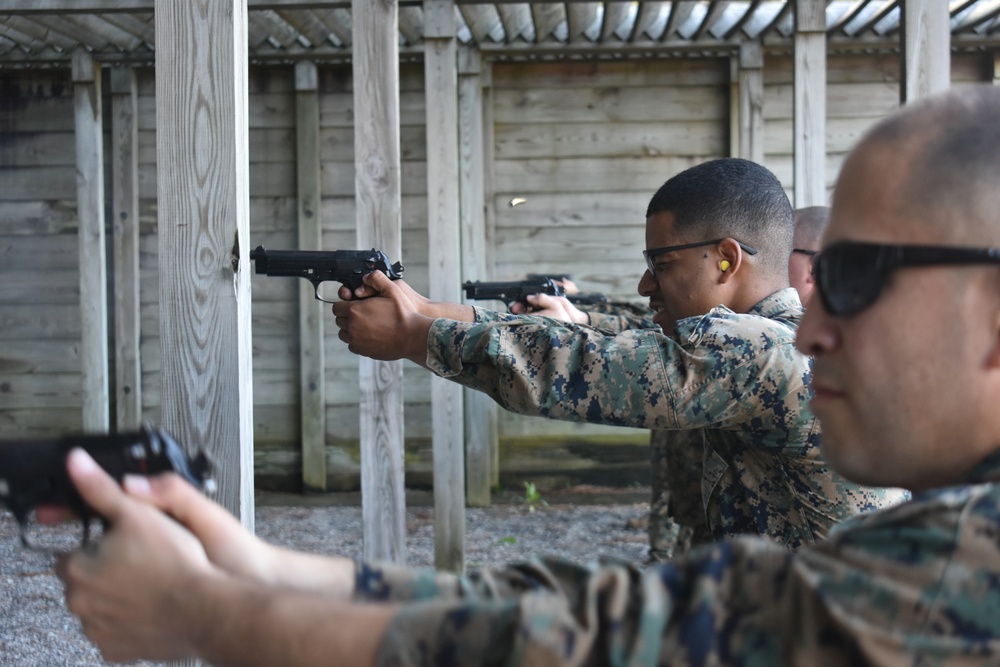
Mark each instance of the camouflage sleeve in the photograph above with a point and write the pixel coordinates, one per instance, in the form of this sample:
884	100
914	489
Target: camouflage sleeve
638	378
737	602
619	316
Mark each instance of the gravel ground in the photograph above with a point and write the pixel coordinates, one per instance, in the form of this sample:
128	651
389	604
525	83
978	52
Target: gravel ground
36	630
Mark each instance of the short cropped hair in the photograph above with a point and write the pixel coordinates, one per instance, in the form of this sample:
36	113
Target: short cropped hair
953	173
810	223
735	198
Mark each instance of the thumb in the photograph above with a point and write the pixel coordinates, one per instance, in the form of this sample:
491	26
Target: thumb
171	494
380	282
97	488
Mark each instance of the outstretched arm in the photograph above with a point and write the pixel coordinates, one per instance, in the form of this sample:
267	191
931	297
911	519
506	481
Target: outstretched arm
149	589
388	320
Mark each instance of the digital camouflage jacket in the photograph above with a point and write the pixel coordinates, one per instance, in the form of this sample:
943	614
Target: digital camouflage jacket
738	376
917	584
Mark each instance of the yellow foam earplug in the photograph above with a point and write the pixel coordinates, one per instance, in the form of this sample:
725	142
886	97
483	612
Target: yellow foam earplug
724	265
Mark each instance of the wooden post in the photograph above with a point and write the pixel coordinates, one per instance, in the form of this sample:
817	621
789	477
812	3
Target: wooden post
379	203
311	311
809	106
996	69
443	234
93	255
203	220
492	427
925	45
480	409
125	194
751	81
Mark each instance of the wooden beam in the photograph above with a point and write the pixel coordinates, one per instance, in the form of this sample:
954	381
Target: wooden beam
378	201
93	256
481	426
490	226
809	104
925	44
125	217
132	6
751	91
312	362
202	188
443	240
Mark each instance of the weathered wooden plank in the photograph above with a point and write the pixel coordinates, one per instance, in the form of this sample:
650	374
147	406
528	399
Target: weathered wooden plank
559	245
203	228
125	217
598	139
489	217
311	312
378	184
34	217
39	254
604	73
809	104
39	422
751	101
30	184
36	149
444	250
41	355
280	386
336	110
38	321
585	209
548	18
480	412
94	369
925	44
53	390
644	175
610	105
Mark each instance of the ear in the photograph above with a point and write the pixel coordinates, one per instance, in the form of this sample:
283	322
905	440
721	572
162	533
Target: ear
730	259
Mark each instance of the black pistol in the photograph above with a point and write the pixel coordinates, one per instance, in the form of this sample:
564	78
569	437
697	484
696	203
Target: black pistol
347	267
33	472
511	292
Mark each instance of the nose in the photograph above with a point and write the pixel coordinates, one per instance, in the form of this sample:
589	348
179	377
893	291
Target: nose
818	332
647	284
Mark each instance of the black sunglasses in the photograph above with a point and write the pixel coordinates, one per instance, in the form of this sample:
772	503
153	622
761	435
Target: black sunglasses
850	276
653	253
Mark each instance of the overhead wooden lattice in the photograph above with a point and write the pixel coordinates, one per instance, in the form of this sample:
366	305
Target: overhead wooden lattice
37	31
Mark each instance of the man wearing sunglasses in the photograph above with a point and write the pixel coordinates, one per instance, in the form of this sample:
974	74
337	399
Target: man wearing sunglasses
905	330
722	366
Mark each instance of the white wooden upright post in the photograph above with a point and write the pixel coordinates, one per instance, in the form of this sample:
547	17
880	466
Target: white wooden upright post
751	101
809	106
125	214
481	428
443	234
203	222
378	193
925	43
89	128
312	312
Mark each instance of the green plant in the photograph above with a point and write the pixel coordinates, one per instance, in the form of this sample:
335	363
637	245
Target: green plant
510	539
532	497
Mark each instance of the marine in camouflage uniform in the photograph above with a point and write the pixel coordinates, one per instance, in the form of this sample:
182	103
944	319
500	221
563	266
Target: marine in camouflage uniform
676	520
736	376
912	585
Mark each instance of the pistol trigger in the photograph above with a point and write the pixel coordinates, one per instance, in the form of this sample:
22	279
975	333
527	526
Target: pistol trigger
23	529
86	531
